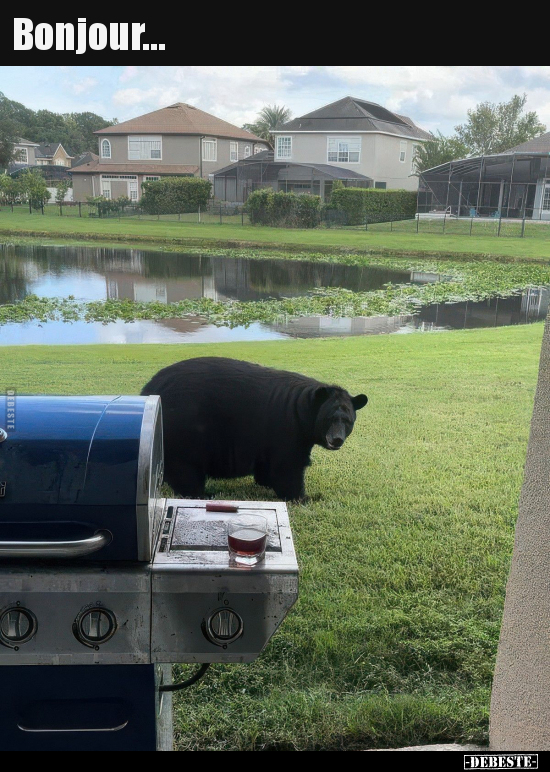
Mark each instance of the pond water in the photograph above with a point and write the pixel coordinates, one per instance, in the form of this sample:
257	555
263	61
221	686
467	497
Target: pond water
99	274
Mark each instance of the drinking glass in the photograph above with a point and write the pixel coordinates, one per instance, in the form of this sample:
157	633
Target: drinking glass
247	539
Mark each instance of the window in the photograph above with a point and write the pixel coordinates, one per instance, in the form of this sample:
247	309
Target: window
151	179
415	150
59	162
247	151
546	198
106	188
22	155
343	150
284	147
233	151
133	191
144	148
210	150
381	185
402	152
105	148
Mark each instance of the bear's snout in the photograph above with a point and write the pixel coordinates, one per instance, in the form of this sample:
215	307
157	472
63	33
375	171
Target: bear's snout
335	443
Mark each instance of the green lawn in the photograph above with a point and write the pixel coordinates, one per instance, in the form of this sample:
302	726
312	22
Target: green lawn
404	548
403	239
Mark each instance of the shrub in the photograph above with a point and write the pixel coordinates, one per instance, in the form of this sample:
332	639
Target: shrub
175	195
265	207
374	205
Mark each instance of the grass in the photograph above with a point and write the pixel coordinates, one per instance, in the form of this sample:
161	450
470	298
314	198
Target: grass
403	239
404	547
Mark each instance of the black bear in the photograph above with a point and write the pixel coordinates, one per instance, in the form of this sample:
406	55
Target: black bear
226	418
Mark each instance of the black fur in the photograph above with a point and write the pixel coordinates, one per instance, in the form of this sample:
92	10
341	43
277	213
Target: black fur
226	418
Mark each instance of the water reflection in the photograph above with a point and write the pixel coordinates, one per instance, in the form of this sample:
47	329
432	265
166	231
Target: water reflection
94	274
99	274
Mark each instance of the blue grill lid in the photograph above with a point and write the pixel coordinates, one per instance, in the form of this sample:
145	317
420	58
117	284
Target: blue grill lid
73	460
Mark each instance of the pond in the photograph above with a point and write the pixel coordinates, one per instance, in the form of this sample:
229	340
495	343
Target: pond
91	274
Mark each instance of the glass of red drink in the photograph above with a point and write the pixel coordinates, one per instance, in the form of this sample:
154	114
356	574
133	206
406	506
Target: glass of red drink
247	539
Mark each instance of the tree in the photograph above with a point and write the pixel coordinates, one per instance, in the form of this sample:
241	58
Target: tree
75	131
494	128
61	191
8	132
34	188
270	118
439	150
10	189
80	129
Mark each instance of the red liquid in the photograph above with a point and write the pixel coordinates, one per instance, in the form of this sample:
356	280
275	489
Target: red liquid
247	542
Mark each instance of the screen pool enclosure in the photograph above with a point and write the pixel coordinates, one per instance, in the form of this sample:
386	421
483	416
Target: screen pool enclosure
508	185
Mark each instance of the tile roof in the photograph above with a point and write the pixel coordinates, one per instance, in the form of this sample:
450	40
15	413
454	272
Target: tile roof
94	167
21	141
538	145
181	119
85	158
351	114
48	150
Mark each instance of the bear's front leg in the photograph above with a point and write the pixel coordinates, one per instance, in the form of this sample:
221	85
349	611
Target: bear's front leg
288	483
186	480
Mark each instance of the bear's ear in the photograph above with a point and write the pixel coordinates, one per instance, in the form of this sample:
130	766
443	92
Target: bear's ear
359	402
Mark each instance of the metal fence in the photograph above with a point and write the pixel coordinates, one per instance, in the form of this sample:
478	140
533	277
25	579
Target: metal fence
442	223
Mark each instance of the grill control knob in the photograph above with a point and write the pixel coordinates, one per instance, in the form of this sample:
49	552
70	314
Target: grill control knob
224	627
17	626
95	626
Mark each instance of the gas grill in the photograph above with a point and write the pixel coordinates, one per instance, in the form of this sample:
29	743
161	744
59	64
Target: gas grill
104	584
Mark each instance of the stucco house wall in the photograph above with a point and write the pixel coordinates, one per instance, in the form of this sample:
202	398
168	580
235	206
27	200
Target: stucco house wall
379	159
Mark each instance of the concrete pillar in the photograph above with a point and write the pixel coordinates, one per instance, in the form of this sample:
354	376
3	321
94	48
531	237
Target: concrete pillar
520	710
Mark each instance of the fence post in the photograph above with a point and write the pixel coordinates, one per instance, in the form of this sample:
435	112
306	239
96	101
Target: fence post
60	209
418	222
199	213
523	227
42	208
366	222
30	206
471	225
444	222
80	208
242	216
391	226
499	225
221	216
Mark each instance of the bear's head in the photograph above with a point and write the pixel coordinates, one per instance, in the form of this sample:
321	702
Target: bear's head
336	411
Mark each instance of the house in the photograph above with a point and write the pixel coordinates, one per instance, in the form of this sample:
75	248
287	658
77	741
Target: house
52	159
513	184
52	154
24	155
238	180
356	135
176	141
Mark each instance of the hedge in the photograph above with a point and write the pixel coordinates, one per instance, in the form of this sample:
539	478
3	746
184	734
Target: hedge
265	207
175	195
357	205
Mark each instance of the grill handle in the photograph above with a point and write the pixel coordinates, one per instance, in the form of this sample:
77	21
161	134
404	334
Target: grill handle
55	549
